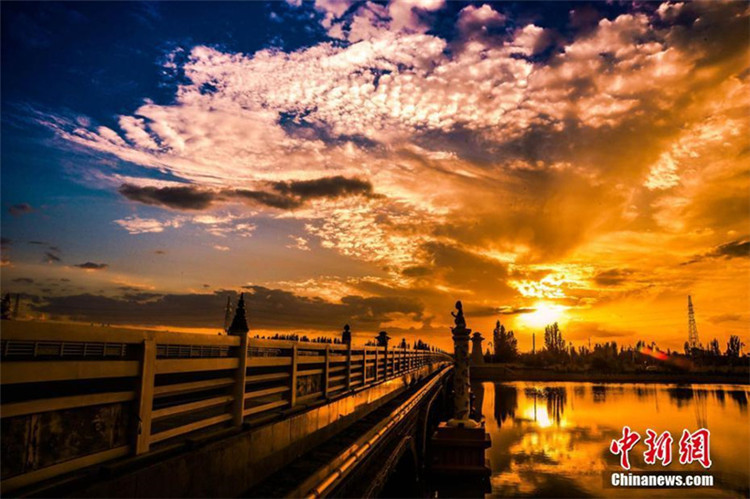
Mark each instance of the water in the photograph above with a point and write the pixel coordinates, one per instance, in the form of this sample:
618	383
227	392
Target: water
552	439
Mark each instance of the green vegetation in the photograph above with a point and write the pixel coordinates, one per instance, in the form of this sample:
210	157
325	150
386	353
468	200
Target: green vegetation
559	355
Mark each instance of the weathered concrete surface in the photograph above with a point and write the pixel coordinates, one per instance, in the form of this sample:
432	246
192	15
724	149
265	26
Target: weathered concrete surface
227	467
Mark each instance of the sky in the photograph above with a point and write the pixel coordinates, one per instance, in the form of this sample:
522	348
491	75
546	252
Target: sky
372	163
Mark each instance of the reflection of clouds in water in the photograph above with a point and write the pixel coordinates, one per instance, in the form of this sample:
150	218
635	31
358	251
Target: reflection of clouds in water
531	446
535	484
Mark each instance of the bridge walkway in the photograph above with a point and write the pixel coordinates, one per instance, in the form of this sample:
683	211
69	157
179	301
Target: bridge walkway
301	477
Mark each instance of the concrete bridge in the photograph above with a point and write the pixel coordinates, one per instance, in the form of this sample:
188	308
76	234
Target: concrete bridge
113	412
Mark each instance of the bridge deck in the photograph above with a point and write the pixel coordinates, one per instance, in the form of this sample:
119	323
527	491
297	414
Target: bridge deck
310	467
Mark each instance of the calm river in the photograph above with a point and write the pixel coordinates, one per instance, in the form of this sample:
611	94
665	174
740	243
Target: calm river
552	439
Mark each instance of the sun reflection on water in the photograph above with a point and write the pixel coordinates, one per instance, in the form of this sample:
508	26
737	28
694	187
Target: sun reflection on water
552	439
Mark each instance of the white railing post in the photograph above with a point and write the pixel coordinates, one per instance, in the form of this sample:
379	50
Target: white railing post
239	389
346	339
364	366
349	367
293	378
146	396
327	372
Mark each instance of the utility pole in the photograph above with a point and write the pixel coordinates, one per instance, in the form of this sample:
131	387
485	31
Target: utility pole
692	328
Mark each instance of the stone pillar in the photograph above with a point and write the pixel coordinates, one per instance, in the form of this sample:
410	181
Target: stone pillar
461	394
459	463
477	358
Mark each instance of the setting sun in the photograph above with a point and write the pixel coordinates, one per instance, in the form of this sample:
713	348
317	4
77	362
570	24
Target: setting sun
543	314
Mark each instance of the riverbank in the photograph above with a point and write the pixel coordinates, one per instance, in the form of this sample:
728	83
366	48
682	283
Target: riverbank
496	372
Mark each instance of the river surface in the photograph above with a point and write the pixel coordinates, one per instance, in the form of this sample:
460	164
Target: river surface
552	439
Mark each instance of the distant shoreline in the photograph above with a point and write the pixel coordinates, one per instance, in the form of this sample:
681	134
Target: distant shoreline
491	372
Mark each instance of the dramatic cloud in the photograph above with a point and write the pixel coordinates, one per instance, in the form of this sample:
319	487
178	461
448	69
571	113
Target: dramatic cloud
50	257
437	152
733	249
182	198
330	187
612	277
720	319
282	195
20	209
92	266
268	309
294	194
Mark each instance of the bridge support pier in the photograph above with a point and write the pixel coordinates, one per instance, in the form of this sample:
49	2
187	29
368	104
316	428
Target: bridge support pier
459	445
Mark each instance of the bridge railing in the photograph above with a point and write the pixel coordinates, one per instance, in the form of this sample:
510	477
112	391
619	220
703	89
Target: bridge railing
74	396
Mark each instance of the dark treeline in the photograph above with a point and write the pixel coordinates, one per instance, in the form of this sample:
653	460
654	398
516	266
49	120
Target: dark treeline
297	337
553	351
416	345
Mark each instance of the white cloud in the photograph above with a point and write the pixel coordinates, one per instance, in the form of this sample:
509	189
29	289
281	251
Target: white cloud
137	225
473	19
299	243
410	112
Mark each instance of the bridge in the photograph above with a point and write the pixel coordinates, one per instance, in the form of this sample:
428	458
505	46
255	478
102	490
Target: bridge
94	411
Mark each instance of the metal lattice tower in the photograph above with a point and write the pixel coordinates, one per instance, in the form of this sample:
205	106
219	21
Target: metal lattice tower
228	314
692	328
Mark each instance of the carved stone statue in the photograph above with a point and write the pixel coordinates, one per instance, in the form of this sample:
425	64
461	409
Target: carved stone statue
459	317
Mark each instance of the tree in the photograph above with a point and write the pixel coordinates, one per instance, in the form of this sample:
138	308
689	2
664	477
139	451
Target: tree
553	340
504	343
714	349
734	346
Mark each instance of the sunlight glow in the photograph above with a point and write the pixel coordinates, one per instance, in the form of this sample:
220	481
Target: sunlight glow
544	313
